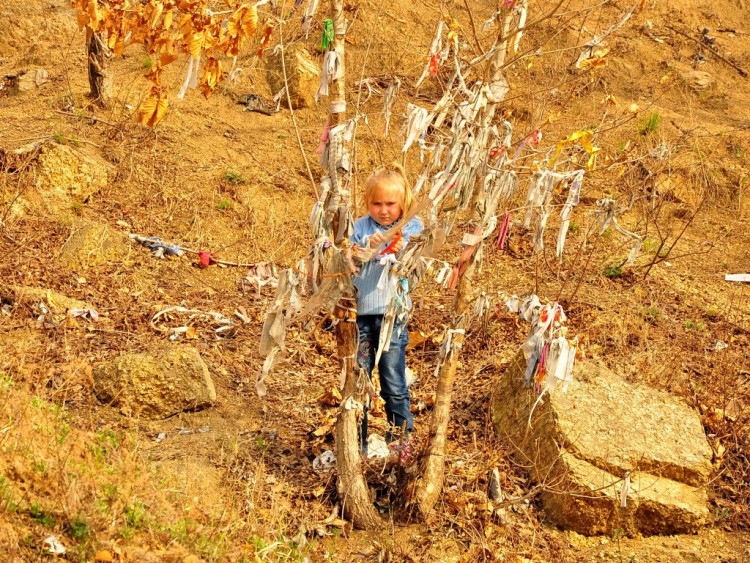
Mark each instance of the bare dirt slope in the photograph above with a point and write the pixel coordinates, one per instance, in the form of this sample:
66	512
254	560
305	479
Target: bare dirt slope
235	482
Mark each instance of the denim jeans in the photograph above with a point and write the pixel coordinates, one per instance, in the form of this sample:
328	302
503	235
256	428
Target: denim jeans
392	370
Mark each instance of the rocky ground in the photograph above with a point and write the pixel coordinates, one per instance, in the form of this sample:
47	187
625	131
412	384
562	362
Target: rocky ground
235	481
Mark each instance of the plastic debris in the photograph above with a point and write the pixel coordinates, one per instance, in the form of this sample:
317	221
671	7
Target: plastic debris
625	490
53	545
86	314
377	448
253	102
159	248
333	520
200	430
324	462
388	100
411	377
588	50
351	404
222	325
606	216
261	275
494	490
307	17
550	356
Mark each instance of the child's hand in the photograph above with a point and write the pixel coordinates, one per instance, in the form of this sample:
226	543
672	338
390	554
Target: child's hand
377	239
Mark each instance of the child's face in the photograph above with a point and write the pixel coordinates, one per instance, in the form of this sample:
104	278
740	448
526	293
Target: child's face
385	202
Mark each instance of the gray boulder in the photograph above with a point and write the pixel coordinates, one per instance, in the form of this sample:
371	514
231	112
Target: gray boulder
156	385
611	455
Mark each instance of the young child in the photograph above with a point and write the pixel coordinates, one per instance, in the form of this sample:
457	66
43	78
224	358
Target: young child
387	197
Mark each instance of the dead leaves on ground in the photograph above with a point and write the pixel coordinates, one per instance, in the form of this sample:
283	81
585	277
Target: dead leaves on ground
331	397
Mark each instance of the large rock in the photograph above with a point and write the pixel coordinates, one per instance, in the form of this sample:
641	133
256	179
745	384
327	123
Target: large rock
30	80
31	297
93	243
582	444
157	384
302	73
65	176
68	176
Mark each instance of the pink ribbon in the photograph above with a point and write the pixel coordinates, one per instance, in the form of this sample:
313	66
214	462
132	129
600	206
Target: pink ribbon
503	235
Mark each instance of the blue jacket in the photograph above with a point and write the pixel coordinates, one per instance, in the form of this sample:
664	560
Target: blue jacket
372	300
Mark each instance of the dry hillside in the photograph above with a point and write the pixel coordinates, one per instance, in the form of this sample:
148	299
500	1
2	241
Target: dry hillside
235	482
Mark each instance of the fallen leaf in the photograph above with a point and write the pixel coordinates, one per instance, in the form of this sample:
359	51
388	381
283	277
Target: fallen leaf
249	20
416	338
324	429
152	109
331	397
719	449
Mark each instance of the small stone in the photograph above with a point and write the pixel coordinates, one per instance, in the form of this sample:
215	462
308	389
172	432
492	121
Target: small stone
26	81
576	540
697	80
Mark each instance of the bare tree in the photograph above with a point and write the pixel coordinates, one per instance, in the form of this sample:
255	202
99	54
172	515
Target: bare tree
99	80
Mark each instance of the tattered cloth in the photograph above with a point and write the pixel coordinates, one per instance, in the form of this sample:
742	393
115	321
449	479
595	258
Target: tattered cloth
159	248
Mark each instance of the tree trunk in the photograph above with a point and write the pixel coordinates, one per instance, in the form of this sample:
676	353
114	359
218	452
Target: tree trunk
337	106
432	470
97	62
352	487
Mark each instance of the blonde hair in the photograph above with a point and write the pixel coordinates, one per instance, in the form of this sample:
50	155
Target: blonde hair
394	173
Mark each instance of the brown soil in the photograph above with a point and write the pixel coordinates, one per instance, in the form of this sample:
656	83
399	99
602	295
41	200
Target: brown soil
239	479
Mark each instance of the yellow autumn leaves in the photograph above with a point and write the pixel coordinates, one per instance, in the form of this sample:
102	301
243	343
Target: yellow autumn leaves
169	28
212	75
585	139
88	13
152	109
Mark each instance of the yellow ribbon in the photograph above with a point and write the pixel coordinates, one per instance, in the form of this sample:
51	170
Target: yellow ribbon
584	137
